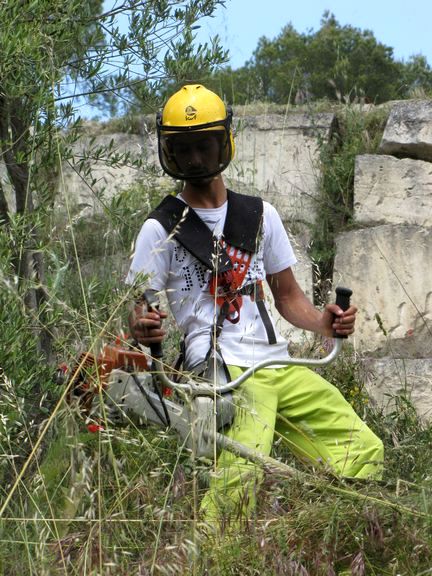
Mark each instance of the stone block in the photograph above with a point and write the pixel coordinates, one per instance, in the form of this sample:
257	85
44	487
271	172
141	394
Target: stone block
390	377
108	179
277	155
392	191
389	270
408	131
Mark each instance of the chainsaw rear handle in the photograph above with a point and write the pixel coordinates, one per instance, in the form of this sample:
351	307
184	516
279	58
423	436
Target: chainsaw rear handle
193	388
152	300
343	296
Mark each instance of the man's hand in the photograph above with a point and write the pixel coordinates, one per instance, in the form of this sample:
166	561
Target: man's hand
146	326
335	319
295	307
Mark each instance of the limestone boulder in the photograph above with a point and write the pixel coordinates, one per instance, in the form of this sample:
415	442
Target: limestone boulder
277	155
408	131
389	269
392	377
392	191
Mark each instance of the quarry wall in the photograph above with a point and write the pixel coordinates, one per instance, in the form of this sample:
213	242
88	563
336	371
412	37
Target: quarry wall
386	256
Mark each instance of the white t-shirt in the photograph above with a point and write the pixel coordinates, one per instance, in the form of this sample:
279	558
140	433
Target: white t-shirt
168	266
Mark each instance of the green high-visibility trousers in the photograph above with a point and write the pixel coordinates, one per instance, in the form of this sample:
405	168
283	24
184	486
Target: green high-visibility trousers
311	415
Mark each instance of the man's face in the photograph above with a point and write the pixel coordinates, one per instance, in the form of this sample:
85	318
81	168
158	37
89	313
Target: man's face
197	155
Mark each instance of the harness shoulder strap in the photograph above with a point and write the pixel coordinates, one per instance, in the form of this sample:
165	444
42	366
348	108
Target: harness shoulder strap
242	227
187	228
242	230
244	221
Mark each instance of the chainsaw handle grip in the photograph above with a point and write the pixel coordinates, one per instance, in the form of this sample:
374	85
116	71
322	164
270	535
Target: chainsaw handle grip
343	296
152	300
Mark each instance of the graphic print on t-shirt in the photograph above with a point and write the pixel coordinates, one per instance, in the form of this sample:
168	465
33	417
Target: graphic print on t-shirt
226	285
192	272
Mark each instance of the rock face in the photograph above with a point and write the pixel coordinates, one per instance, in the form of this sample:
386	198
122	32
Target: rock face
383	266
392	191
278	156
389	378
387	260
105	178
409	130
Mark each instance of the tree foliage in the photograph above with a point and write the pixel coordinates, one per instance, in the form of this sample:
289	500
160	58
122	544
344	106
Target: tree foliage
150	47
54	56
37	40
336	62
417	76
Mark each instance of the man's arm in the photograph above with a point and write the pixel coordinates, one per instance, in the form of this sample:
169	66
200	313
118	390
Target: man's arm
296	308
149	266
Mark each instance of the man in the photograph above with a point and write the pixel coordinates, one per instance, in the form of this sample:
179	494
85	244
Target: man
218	303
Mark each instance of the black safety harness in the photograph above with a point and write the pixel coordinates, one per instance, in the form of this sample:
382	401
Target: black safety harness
242	230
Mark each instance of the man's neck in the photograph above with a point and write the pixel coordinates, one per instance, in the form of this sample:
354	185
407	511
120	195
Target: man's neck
210	194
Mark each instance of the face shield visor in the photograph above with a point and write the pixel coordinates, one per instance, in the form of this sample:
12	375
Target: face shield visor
195	152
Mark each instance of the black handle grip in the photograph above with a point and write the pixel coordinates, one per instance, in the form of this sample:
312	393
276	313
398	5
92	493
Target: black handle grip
343	296
152	300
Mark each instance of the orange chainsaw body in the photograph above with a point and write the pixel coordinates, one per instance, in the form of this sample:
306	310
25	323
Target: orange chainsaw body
90	373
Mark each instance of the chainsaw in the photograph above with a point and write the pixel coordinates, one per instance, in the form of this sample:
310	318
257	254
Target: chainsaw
126	381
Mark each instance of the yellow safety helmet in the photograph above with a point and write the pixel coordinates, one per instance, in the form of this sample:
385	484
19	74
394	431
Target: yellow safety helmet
187	116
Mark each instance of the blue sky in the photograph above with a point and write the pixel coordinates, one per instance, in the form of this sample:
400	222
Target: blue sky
400	24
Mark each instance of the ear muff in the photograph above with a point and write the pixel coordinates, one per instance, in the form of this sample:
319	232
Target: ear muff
231	136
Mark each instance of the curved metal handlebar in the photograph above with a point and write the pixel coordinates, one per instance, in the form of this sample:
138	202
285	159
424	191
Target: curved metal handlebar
193	388
207	389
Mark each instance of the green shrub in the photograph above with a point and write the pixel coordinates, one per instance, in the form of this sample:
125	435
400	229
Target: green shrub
359	132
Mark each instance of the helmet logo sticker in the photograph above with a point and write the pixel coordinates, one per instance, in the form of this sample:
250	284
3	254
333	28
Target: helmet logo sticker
190	113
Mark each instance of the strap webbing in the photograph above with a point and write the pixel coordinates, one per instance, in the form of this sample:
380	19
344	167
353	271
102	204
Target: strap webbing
242	228
256	291
271	336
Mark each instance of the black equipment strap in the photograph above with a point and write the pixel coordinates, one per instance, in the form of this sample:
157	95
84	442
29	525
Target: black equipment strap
242	228
271	335
256	291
